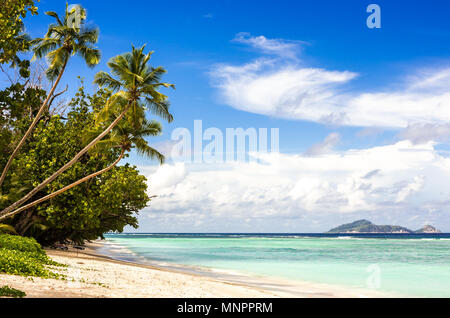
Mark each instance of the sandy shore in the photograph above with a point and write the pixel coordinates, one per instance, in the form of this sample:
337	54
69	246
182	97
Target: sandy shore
92	275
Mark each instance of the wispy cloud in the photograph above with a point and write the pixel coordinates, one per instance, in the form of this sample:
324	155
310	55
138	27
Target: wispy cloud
285	88
279	89
278	47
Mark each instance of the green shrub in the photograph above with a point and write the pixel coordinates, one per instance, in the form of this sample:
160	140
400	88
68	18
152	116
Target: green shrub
24	256
7	291
24	264
20	243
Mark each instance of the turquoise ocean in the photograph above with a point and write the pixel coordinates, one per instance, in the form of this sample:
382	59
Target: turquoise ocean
402	264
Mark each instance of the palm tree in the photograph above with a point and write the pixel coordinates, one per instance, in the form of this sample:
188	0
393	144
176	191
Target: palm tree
63	39
137	90
125	137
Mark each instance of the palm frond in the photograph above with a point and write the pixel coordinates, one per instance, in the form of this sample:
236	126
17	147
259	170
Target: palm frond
55	15
150	128
104	79
57	58
143	149
105	144
115	104
122	67
57	31
52	73
90	55
159	108
43	46
88	36
154	75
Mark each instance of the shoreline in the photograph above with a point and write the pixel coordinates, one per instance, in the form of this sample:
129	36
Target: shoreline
91	274
280	287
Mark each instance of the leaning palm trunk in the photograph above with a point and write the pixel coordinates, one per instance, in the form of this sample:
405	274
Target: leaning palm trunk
54	194
64	168
31	128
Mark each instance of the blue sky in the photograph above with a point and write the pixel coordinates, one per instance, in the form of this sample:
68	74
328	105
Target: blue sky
358	72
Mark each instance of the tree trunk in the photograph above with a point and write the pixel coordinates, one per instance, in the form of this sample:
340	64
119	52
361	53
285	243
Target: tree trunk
23	221
63	168
54	194
33	124
22	233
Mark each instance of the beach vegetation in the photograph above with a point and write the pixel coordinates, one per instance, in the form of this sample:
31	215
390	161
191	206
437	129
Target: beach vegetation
106	202
64	38
135	91
24	256
7	291
65	184
13	40
8	229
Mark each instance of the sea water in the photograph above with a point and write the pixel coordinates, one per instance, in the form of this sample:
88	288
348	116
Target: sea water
403	264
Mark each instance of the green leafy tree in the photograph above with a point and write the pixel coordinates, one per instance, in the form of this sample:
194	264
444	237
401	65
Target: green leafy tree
64	39
136	87
12	38
18	106
124	137
106	202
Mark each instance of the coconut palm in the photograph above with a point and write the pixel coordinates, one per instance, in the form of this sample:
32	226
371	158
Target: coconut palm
136	89
136	84
125	137
64	39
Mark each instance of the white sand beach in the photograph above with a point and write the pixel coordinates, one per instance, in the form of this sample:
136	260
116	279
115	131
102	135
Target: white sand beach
92	275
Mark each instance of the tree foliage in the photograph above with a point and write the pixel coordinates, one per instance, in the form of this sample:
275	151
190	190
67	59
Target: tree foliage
66	37
108	202
62	40
76	152
12	40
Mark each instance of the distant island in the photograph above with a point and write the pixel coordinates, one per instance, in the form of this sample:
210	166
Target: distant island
365	226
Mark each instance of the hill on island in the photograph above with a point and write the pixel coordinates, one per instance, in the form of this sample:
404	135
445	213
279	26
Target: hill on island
365	226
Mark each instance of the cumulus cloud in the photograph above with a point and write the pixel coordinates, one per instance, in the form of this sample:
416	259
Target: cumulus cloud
325	146
282	87
167	176
389	179
410	188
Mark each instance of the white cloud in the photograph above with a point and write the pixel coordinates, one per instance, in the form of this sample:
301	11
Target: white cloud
282	87
325	146
266	87
410	188
420	133
167	176
277	47
396	179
